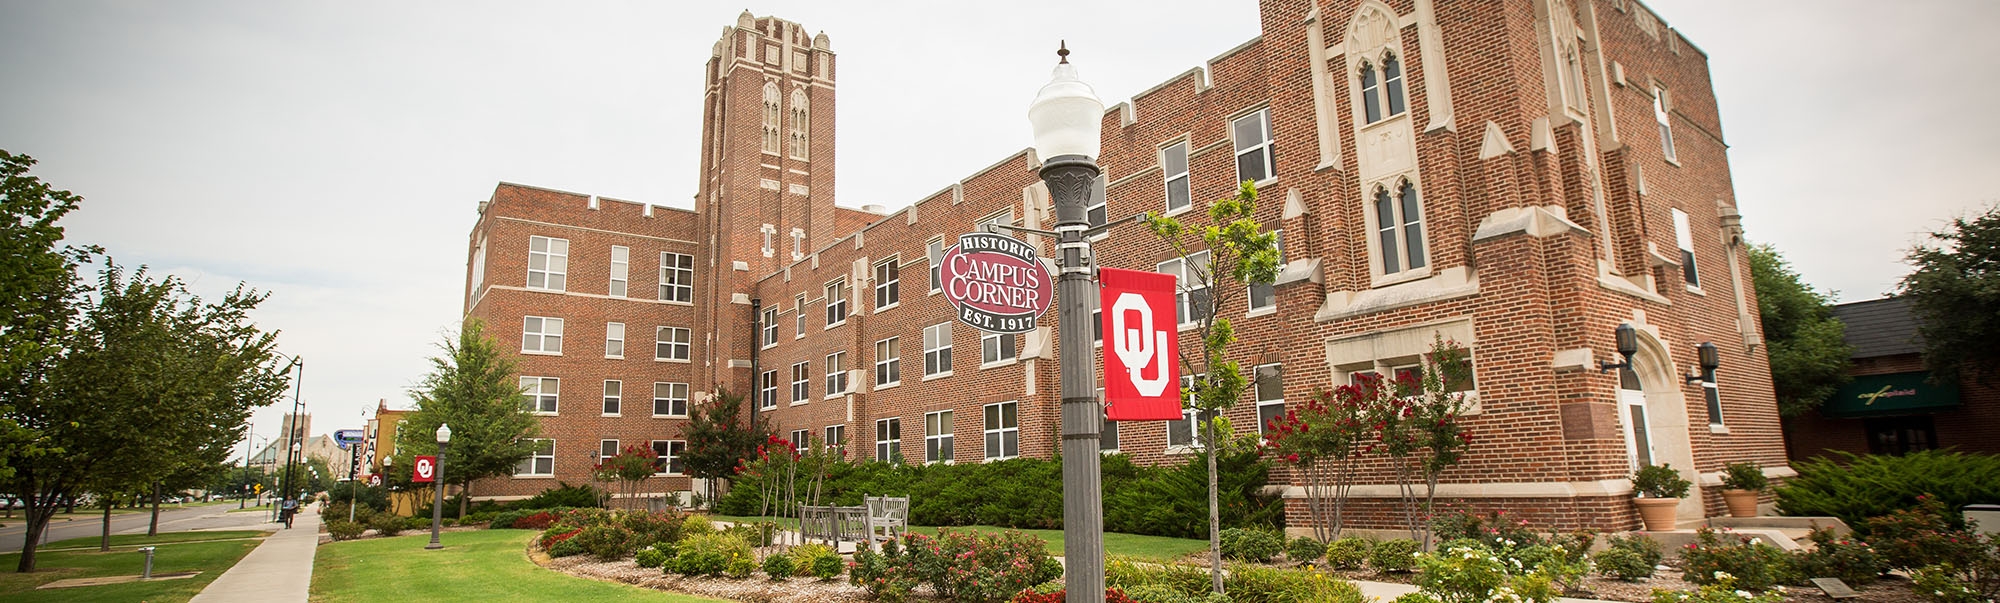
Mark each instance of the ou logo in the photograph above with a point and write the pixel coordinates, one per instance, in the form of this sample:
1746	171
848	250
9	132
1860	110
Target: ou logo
1140	347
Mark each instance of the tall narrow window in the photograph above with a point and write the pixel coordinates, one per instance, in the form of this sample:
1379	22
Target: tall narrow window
836	439
889	361
1712	394
1392	83
1576	89
934	251
889	440
836	373
836	302
621	262
1174	166
799	317
478	269
801	383
767	389
937	437
1181	432
1107	438
676	277
540	335
937	349
539	394
613	396
614	340
1399	228
770	326
1684	237
1003	432
771	117
670	399
1265	295
1270	392
671	343
1096	213
1191	299
548	263
799	439
606	449
801	138
1661	115
1255	158
888	283
1371	94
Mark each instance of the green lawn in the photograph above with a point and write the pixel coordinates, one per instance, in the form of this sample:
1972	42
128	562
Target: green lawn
480	565
133	540
212	558
1155	548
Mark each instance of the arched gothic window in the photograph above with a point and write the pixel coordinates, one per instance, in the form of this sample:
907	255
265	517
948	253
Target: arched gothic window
801	115
771	113
1382	93
1392	82
1371	90
1399	228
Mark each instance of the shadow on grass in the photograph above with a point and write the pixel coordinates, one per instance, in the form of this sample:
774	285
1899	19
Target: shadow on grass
210	558
477	565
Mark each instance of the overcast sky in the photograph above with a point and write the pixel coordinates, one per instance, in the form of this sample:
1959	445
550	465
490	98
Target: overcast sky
333	153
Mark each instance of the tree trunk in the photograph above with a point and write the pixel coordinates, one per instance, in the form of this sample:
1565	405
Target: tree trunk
153	529
104	542
1214	513
464	499
38	521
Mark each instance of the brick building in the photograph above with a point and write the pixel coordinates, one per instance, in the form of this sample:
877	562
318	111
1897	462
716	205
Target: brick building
1892	407
1522	176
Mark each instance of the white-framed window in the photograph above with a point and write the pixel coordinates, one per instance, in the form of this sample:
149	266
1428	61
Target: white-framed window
772	114
1574	65
614	340
836	302
1382	93
770	326
1004	218
670	399
770	232
1255	155
1097	210
801	383
836	438
1711	393
1107	438
539	394
676	277
1265	295
1269	389
937	349
934	251
767	389
798	244
614	393
1181	432
799	438
621	268
801	134
888	283
1191	298
1684	237
548	263
836	373
937	437
541	335
670	343
889	440
606	449
1662	116
995	347
1174	167
670	453
889	362
1399	228
478	269
541	461
1003	432
799	320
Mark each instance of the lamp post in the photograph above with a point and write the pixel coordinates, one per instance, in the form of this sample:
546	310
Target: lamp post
437	476
1065	116
293	432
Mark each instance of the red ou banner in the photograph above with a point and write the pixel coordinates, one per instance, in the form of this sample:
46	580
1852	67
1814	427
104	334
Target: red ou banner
1141	346
426	469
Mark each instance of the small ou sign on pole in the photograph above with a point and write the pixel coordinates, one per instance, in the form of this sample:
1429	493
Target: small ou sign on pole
1141	345
426	471
995	283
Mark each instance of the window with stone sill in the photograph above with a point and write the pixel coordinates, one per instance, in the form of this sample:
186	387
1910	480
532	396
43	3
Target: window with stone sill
671	343
938	437
541	335
799	317
767	389
836	373
888	362
801	383
836	439
614	391
541	461
995	348
669	453
1399	228
614	340
539	394
1684	238
670	399
676	277
1382	91
836	302
772	114
937	349
889	440
1003	431
548	263
1264	296
888	283
1191	298
1664	118
770	326
1256	156
1174	173
621	264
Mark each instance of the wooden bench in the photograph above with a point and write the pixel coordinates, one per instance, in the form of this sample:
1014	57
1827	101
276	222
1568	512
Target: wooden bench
880	518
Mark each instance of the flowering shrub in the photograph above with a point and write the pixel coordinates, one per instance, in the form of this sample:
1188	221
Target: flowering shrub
524	520
709	554
1923	536
740	566
1745	561
1399	555
887	575
963	566
1304	549
1464	571
1975	579
1722	590
1111	595
1496	531
1630	557
1260	546
1349	552
648	527
566	548
1564	567
551	537
1851	561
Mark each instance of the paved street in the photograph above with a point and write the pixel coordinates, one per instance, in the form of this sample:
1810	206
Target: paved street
171	520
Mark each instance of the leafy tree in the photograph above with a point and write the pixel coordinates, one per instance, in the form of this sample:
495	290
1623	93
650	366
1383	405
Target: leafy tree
474	389
1955	293
719	439
38	286
631	468
1239	252
1809	359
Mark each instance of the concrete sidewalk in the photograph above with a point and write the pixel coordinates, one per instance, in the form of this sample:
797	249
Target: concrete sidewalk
280	570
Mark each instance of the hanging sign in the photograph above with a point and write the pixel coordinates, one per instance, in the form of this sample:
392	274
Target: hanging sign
426	469
995	282
1141	345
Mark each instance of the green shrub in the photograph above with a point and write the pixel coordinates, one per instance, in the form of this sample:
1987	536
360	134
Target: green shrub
417	522
386	524
566	548
1660	481
563	495
1744	476
1397	555
1417	597
607	542
1921	536
342	529
1260	546
709	554
1130	576
887	575
1349	552
1564	568
650	558
650	527
740	567
698	524
527	519
1855	488
1722	591
1305	549
828	567
1461	571
1260	584
1497	530
1744	561
779	567
976	568
477	518
338	511
1851	561
805	557
1977	580
1630	558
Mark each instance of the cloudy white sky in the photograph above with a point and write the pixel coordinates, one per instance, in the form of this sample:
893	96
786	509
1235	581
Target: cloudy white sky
332	153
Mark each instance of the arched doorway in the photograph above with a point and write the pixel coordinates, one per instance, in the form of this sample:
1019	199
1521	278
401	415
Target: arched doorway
1653	415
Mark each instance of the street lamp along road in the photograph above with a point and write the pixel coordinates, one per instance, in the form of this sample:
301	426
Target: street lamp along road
437	475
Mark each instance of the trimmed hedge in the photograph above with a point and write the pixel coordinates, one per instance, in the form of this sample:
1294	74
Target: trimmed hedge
1855	487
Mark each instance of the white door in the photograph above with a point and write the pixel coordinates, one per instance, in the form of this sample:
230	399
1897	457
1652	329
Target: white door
1632	416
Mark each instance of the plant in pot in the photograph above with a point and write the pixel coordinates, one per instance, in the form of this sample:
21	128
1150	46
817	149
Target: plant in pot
1658	489
1741	482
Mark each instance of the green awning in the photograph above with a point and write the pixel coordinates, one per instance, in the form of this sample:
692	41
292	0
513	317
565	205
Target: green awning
1891	394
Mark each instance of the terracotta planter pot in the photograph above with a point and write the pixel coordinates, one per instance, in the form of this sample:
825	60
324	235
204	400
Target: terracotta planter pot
1657	513
1742	503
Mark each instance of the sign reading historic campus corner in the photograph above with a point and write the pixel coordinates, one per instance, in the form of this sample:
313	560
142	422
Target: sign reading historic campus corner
1141	346
995	282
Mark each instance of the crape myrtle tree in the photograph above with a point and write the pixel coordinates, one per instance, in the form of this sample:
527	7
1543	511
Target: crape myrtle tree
719	438
1219	260
473	388
630	468
1804	342
1955	293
